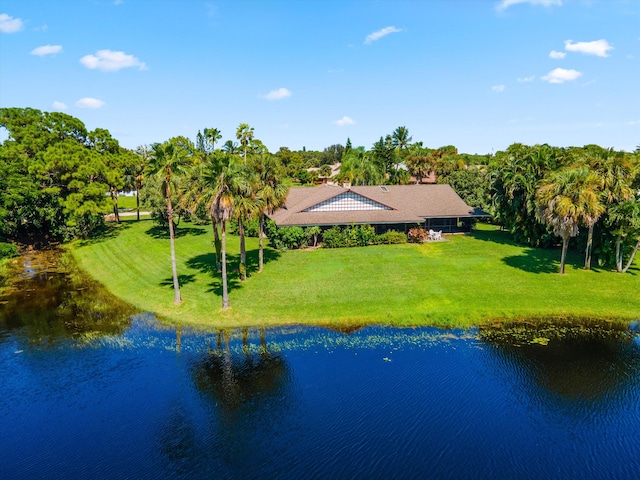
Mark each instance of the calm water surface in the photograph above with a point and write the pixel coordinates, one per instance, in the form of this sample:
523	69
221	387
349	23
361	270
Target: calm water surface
92	390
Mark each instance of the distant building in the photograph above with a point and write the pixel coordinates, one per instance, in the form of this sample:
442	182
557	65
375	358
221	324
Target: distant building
335	169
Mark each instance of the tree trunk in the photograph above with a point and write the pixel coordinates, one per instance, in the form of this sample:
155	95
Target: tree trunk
587	257
223	244
619	253
138	204
565	245
216	242
114	197
260	246
633	254
243	251
176	286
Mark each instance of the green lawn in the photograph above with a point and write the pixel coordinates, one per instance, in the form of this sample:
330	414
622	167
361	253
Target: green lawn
463	281
127	201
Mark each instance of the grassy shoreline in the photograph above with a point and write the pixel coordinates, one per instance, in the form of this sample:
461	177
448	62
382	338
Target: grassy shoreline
465	281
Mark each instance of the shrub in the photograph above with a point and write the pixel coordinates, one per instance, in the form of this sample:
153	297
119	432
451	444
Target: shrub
286	238
360	236
251	228
417	235
391	237
8	250
333	238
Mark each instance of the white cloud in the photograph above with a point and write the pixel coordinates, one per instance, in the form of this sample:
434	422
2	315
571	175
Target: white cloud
634	122
527	79
110	61
561	75
59	105
278	94
557	55
344	121
498	88
46	50
89	102
8	24
504	4
597	47
372	37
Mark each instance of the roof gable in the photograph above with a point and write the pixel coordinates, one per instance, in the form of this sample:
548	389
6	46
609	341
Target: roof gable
347	202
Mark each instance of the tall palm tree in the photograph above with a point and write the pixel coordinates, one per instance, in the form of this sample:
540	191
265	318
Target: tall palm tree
221	210
271	194
167	160
223	175
563	199
244	134
213	135
204	183
244	189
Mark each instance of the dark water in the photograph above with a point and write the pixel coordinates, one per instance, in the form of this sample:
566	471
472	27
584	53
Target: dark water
90	390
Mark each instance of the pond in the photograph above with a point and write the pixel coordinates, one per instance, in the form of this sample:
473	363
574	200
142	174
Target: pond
91	389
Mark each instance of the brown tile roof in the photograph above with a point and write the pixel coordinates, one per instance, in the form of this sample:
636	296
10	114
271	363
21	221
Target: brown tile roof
408	203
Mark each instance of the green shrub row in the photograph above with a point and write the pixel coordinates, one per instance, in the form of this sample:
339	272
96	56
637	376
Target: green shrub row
286	238
359	236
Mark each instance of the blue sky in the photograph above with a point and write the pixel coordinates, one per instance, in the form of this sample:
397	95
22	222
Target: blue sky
479	75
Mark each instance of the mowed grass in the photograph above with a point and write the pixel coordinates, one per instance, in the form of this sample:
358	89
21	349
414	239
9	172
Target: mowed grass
463	281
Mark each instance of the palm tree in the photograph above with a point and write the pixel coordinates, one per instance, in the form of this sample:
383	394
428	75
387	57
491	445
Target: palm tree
244	134
221	210
166	160
243	188
564	198
223	176
358	168
213	135
271	194
400	140
624	217
204	182
421	163
230	147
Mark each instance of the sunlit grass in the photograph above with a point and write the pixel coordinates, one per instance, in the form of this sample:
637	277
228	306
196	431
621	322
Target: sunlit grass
463	281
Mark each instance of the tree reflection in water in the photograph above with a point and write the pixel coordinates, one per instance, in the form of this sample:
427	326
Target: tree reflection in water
50	300
238	380
593	365
248	391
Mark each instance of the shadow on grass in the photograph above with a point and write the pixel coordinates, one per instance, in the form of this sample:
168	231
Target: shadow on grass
163	232
107	231
182	280
533	261
206	263
501	237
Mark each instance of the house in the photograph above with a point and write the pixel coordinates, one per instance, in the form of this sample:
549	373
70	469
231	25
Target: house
386	207
335	170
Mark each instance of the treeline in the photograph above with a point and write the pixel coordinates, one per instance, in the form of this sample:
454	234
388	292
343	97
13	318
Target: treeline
540	193
58	180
